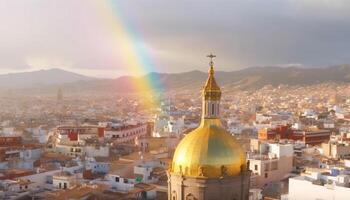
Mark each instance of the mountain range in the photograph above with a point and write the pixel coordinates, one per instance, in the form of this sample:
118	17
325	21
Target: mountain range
249	78
40	78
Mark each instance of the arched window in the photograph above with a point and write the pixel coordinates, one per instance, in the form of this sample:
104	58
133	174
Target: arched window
173	196
190	197
235	197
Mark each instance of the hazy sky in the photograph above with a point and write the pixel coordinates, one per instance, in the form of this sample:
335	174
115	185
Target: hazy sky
175	35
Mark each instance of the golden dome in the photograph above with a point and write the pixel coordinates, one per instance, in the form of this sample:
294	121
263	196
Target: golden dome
208	151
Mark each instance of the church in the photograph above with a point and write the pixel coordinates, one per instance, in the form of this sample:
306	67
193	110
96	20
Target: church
209	163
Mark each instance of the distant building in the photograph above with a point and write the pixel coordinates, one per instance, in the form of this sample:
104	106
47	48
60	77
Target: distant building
166	125
266	134
10	141
313	136
97	165
126	133
81	148
63	180
127	180
272	120
59	95
16	186
336	150
23	156
277	133
155	143
74	133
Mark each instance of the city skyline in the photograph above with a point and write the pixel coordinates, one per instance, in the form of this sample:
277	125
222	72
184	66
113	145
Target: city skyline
106	38
175	100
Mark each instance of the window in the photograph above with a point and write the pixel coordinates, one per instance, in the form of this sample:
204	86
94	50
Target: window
267	167
266	175
274	165
256	167
126	180
212	109
173	195
117	179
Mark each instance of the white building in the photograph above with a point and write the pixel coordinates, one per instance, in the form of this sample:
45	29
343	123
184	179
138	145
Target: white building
308	113
16	186
40	134
20	158
317	185
40	179
121	183
97	165
165	125
63	180
148	170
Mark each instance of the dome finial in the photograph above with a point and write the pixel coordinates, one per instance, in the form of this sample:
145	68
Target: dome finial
211	63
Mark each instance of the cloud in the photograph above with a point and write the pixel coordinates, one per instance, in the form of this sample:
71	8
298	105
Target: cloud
176	34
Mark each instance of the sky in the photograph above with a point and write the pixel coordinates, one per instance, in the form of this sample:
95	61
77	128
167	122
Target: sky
173	36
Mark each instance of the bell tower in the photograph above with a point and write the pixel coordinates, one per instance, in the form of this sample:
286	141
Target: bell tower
211	94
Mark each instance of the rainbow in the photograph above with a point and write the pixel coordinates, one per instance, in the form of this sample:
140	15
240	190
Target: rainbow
135	56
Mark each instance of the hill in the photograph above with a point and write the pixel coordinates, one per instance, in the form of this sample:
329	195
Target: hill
40	78
249	78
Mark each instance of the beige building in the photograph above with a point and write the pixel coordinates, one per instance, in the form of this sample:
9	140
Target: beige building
270	162
336	150
147	143
209	163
